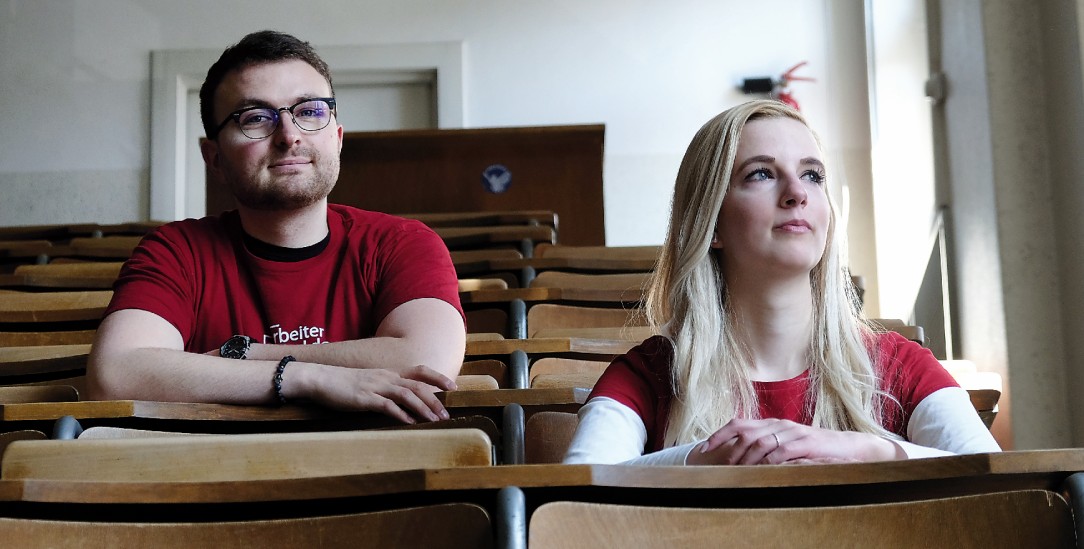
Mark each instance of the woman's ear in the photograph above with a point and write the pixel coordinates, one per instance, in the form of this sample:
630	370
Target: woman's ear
716	242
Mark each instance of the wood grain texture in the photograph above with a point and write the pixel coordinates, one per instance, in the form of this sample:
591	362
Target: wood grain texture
479	237
39	338
26	434
554	345
105	247
632	253
904	480
547	436
1032	518
448	526
501	397
86	275
30	307
484	218
555	168
634	283
476	382
586	264
492	368
245	457
38	393
557	320
42	359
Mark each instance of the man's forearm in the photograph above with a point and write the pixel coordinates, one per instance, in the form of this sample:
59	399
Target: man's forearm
391	353
170	375
426	332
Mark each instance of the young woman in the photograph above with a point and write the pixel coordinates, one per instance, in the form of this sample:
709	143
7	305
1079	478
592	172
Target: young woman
764	357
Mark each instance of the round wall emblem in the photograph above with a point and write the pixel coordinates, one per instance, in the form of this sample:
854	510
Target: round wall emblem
496	178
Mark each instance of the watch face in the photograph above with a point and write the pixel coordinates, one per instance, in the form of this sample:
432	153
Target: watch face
235	347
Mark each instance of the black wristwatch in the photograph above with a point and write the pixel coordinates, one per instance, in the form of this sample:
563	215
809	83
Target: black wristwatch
236	347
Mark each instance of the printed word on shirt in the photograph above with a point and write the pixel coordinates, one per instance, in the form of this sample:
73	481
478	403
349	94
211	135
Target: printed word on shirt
303	335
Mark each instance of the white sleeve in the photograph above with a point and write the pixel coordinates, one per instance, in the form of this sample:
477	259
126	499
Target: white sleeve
610	432
944	424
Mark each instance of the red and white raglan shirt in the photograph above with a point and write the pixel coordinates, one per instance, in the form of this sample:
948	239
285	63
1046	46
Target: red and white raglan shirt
203	277
625	418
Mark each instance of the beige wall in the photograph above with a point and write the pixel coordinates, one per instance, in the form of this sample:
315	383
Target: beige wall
1013	124
1064	109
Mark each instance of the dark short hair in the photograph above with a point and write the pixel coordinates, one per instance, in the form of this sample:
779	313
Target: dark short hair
259	47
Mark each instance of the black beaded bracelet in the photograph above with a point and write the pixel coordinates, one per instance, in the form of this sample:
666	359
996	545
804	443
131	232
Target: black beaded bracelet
276	381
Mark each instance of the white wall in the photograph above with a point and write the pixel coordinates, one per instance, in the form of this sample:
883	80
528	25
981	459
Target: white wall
74	82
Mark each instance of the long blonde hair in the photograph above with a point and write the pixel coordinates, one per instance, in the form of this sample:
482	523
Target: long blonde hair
687	301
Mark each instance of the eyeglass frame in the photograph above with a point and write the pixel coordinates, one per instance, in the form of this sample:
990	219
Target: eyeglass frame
236	117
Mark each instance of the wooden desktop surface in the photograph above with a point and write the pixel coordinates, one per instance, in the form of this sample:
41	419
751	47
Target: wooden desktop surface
191	411
955	475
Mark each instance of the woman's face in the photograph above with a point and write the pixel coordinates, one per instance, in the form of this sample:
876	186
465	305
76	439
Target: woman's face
775	216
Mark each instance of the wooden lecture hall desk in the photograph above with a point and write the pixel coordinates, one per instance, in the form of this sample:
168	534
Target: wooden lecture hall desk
512	493
568	346
465	407
519	353
616	297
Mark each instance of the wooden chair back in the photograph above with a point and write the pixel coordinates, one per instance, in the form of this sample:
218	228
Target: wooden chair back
465	238
633	283
489	367
476	382
442	526
24	251
1026	518
25	434
46	338
492	320
104	247
565	372
547	436
636	253
51	318
35	307
911	332
472	284
20	394
24	364
486	218
88	275
246	457
558	320
105	432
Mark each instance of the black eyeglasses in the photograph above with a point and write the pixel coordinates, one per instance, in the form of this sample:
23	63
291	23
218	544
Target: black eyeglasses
311	115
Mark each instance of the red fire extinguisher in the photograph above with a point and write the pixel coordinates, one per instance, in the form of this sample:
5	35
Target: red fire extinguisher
778	88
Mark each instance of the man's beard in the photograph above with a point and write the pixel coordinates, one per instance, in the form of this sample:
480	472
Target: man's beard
292	196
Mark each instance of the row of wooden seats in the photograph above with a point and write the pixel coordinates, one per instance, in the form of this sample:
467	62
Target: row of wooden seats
504	264
460	231
999	500
548	320
61	233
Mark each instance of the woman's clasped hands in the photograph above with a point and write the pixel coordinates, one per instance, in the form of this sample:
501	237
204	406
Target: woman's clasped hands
775	441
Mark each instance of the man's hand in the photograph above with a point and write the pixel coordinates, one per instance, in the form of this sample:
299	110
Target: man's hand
404	396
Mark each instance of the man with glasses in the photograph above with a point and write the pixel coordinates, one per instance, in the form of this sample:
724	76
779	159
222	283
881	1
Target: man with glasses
287	297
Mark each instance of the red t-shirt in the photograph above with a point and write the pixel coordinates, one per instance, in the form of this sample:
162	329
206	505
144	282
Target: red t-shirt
200	276
640	379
